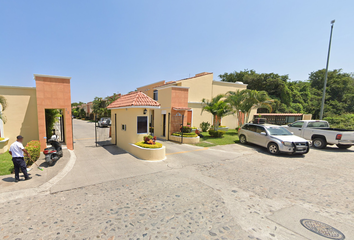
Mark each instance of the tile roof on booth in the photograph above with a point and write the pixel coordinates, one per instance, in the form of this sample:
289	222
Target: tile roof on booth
134	99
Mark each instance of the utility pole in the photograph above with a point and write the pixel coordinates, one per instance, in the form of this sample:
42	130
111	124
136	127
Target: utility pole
325	80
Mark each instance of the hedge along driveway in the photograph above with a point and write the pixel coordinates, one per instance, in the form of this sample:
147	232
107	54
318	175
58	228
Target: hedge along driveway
230	137
6	165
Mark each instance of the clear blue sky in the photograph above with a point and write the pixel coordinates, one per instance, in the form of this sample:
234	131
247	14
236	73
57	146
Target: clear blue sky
116	46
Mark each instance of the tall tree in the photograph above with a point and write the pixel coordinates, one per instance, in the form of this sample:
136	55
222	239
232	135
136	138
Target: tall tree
218	108
247	99
235	99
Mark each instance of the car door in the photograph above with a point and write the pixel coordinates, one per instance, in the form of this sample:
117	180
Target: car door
251	133
296	128
261	137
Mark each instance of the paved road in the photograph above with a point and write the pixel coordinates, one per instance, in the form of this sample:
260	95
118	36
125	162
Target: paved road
224	192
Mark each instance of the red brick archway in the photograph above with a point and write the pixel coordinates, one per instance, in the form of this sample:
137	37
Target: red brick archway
53	92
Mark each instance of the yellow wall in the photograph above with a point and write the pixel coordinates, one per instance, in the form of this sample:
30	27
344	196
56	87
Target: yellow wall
164	98
125	138
223	87
199	87
205	87
127	116
198	117
21	115
149	89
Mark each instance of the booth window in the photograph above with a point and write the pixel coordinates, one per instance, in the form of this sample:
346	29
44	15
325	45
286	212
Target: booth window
142	124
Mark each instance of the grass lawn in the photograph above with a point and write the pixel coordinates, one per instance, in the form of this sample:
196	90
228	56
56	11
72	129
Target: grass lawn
230	137
6	164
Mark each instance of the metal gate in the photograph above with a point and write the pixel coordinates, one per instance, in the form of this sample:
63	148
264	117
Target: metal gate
176	124
103	134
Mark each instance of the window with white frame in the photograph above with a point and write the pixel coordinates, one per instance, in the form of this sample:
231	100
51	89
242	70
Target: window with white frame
142	124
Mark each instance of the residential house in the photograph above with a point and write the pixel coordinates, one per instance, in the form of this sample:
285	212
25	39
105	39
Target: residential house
181	102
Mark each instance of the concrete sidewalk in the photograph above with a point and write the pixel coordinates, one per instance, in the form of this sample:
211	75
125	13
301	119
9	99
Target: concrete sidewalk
41	180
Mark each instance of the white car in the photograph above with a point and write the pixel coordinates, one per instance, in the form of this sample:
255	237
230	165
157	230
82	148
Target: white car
275	138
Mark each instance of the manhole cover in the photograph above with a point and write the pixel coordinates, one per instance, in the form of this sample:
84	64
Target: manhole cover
322	229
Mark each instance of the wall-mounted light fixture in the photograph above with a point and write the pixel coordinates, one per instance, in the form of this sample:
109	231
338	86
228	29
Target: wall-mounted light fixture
145	111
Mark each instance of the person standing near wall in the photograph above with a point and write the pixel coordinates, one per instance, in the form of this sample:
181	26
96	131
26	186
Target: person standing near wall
16	151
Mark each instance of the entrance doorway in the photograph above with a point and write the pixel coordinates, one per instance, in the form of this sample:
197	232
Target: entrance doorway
103	131
164	125
55	125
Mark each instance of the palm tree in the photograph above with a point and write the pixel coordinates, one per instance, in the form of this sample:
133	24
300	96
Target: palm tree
255	99
3	104
218	108
244	101
235	99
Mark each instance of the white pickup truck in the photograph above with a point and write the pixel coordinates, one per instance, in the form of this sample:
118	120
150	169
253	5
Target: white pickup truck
321	135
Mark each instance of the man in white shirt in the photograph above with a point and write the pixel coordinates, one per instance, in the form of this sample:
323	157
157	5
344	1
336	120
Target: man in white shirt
16	151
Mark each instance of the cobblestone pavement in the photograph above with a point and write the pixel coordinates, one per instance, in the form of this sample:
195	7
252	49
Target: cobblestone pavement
225	192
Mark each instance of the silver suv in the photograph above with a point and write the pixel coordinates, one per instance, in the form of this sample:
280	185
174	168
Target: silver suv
275	138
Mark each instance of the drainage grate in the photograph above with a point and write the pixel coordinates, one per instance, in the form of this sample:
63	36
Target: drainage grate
322	229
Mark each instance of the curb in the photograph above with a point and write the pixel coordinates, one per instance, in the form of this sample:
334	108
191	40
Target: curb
42	189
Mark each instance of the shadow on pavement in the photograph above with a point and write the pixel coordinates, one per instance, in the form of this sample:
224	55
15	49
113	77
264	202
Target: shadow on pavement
264	151
9	179
114	150
334	149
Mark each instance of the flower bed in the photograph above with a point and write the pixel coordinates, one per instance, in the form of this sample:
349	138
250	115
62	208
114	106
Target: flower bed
148	149
145	145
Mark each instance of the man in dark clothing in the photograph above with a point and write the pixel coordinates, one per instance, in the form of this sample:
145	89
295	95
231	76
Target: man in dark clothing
16	151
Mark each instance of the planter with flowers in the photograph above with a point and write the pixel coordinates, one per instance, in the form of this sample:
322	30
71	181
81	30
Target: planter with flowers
149	149
188	137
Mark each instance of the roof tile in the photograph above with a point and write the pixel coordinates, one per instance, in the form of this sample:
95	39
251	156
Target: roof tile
134	99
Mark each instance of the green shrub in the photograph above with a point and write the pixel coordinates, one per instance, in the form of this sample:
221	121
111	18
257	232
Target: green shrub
204	126
345	121
192	134
186	129
34	149
216	134
144	145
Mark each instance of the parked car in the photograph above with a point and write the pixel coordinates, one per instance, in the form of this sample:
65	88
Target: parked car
275	138
321	135
104	122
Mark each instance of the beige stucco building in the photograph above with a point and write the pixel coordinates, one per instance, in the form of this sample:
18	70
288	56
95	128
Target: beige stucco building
21	115
184	97
25	111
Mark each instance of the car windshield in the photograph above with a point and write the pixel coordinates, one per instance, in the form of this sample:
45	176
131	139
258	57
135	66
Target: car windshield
278	131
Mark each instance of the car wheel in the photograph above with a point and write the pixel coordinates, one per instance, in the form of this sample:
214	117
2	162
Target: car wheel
243	139
343	146
319	143
273	148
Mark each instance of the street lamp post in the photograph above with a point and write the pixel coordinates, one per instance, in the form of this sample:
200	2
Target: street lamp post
325	80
